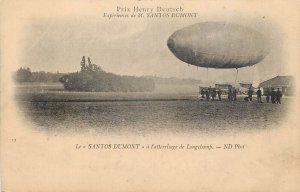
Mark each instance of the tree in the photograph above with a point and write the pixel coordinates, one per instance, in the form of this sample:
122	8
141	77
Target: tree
83	65
23	75
89	67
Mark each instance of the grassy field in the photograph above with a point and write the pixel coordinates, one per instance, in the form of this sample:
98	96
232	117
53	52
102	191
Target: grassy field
54	110
54	92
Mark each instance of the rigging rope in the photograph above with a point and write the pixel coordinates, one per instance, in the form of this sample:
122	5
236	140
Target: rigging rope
237	72
206	74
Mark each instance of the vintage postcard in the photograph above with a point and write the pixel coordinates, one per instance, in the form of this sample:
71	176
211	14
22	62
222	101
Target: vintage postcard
150	95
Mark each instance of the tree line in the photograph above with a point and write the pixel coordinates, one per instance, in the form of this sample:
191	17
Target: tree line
26	75
92	77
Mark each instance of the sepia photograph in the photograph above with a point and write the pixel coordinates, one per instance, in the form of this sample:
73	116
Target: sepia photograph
99	95
197	77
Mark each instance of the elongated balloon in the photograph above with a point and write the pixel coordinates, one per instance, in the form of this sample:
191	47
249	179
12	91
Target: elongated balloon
218	45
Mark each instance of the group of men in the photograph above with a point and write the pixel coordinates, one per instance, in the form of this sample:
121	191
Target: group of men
212	93
274	95
232	92
270	93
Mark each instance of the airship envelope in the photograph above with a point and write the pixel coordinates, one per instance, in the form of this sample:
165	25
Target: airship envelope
218	45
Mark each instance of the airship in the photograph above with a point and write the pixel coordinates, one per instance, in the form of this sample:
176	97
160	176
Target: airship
218	45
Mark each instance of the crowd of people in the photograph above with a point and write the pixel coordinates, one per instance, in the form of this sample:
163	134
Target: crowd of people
274	95
270	93
215	94
210	93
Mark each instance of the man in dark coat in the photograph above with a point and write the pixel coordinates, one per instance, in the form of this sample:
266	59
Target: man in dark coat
207	94
219	94
273	95
268	95
213	94
234	92
229	94
258	93
278	96
250	92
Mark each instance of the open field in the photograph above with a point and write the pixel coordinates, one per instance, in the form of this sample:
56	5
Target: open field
58	111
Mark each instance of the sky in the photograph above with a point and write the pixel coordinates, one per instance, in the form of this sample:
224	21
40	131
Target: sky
139	46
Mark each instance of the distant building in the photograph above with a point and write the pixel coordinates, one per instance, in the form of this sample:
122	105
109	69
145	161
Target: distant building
284	83
223	87
246	85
